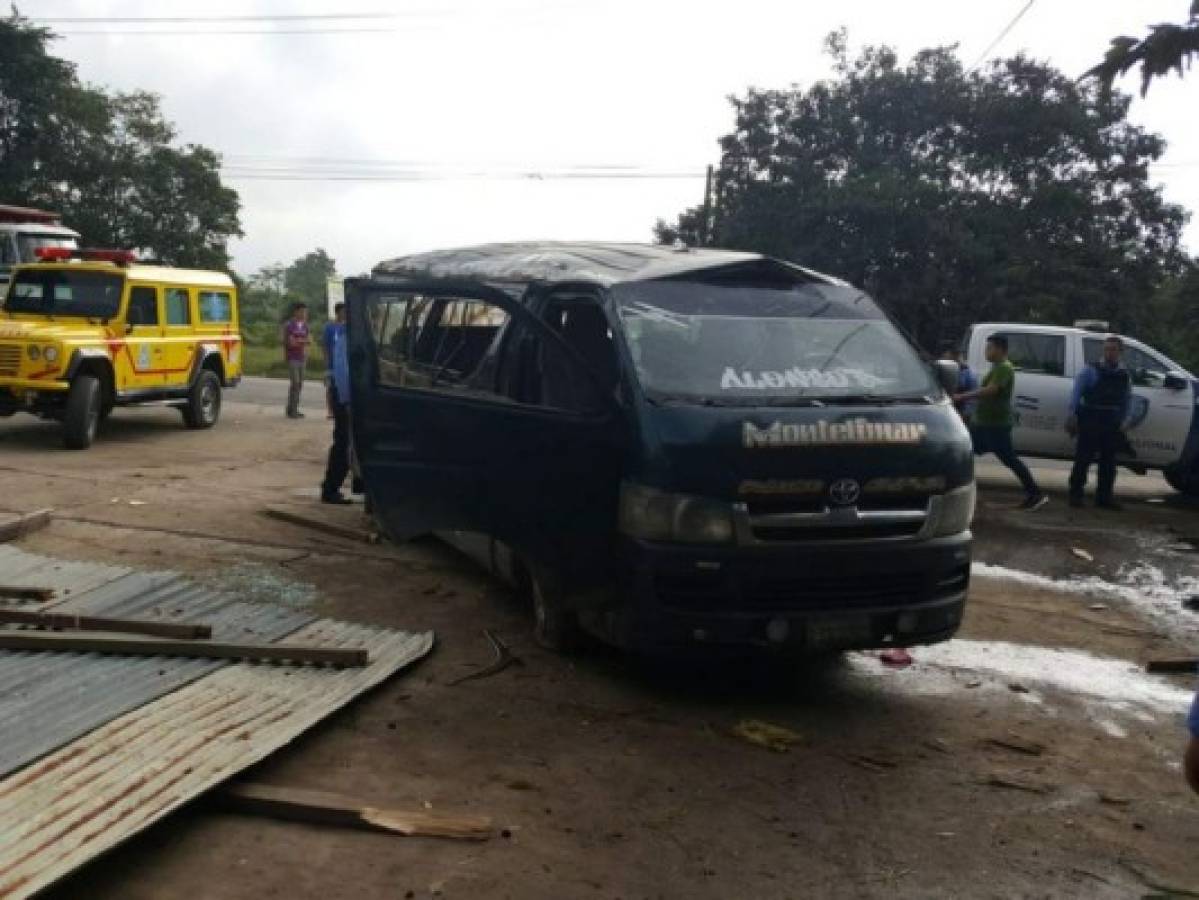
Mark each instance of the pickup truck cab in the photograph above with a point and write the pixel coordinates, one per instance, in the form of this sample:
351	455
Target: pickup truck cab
667	447
1162	429
25	231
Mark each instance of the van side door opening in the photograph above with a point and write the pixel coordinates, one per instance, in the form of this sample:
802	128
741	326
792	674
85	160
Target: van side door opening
456	426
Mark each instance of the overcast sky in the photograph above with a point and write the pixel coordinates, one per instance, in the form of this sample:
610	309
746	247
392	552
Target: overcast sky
472	95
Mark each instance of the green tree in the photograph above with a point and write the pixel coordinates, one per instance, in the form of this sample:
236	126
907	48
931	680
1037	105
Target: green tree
1166	47
306	278
108	162
1011	193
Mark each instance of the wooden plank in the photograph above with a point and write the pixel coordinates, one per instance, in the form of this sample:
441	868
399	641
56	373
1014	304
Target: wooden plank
327	809
24	524
150	646
182	630
18	592
292	517
1185	666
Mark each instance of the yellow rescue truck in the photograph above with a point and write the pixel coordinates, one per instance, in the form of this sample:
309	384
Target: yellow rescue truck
84	331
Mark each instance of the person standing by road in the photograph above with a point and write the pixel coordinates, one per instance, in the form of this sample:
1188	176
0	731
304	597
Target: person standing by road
1098	410
967	382
295	350
328	346
337	359
991	429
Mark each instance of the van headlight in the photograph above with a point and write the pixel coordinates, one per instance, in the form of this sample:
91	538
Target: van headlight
50	354
34	352
957	511
653	515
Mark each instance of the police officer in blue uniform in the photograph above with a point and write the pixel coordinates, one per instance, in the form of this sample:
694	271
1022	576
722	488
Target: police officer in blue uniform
1098	410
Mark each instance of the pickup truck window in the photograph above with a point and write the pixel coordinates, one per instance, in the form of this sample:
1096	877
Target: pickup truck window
1145	369
1043	354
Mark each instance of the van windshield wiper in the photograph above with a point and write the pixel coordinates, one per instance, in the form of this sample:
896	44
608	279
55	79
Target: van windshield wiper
880	399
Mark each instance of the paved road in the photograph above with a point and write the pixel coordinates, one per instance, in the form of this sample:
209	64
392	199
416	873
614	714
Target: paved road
273	392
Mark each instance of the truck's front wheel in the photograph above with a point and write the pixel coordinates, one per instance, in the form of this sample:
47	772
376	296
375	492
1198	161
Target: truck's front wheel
83	412
204	401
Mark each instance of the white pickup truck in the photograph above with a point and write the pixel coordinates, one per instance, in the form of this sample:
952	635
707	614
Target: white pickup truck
1162	429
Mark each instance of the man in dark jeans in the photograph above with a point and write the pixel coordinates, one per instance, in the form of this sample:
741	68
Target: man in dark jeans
337	360
991	429
1098	411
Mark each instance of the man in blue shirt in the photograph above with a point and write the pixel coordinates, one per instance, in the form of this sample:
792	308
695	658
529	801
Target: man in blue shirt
1191	760
967	382
1098	410
338	362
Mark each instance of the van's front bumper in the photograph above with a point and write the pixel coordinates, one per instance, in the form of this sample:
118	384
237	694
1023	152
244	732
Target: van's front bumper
793	598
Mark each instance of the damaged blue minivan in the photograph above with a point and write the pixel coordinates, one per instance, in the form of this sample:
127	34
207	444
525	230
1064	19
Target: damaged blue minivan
666	447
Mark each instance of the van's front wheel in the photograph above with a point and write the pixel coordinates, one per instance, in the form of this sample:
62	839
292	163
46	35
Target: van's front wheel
82	416
203	401
1184	481
554	626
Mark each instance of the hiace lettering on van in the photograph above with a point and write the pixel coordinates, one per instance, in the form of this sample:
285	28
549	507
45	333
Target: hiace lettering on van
858	431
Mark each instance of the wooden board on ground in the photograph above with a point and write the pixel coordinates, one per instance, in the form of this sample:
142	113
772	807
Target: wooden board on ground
328	809
24	524
128	646
69	621
294	517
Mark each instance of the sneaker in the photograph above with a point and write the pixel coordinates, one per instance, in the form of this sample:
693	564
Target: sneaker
1076	501
336	499
1033	503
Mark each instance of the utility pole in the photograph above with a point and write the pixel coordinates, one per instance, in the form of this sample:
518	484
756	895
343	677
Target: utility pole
705	226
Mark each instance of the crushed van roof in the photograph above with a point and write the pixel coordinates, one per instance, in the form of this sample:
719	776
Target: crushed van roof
550	261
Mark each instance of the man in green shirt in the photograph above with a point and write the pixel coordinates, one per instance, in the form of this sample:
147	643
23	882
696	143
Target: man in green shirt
991	430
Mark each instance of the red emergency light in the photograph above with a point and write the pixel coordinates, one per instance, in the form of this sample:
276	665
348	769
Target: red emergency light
120	257
49	254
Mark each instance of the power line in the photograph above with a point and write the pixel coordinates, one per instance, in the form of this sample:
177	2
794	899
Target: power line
200	32
401	177
1006	31
88	20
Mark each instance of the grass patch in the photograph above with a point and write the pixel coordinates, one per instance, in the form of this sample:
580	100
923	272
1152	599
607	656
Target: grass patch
268	361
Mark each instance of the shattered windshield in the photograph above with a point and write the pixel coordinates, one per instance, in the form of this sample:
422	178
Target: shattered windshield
56	292
744	340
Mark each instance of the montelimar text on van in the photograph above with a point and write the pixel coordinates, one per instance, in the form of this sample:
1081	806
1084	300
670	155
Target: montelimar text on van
859	431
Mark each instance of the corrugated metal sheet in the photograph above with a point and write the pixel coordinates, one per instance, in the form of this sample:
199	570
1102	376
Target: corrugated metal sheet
21	569
57	697
64	810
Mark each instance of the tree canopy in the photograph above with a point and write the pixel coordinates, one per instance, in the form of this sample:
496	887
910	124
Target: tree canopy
107	161
1008	193
1166	47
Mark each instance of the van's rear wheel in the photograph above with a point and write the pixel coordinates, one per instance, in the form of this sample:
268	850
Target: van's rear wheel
82	416
203	401
1183	481
555	627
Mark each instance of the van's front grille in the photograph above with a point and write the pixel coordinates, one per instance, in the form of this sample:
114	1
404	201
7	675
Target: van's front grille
10	359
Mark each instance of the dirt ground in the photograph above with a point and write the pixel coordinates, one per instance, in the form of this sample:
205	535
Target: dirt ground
957	777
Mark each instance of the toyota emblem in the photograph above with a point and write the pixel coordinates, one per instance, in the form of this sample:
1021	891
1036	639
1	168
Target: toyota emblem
844	492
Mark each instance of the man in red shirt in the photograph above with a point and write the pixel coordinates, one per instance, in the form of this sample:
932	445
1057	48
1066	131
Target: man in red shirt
295	349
